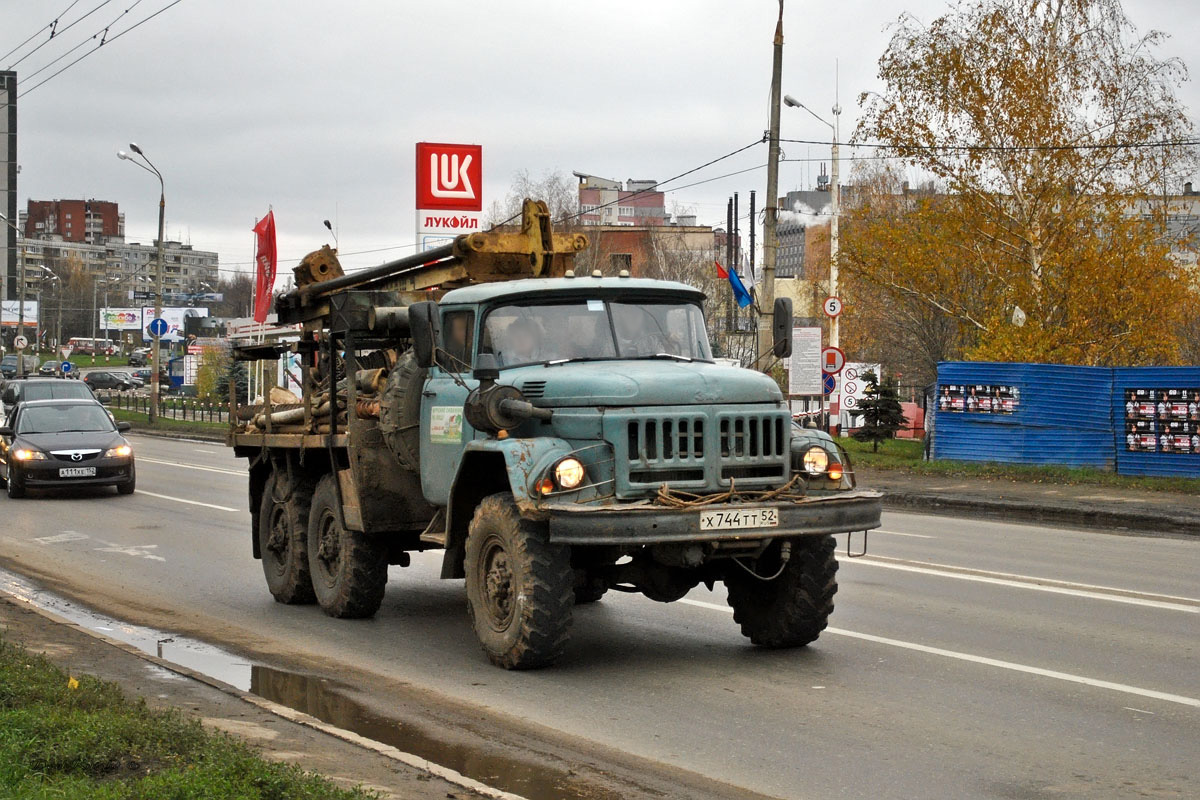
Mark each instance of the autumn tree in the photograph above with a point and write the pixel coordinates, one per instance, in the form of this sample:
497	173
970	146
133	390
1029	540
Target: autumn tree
1053	128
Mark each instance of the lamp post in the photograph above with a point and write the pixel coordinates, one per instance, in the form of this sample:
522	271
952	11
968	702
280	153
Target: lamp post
162	208
834	208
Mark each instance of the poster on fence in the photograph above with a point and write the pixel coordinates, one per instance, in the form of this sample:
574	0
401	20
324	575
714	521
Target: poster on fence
1163	420
979	398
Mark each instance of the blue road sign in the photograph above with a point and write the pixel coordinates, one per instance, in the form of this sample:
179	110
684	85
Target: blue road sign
66	367
830	382
158	327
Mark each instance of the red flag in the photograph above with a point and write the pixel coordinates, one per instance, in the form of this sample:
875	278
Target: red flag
721	273
264	262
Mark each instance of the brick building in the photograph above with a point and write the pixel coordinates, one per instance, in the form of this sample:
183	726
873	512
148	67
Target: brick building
607	202
80	221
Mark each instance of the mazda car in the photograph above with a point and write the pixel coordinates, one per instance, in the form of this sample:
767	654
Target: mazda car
56	443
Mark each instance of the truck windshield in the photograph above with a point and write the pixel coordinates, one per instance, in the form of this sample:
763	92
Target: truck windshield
594	329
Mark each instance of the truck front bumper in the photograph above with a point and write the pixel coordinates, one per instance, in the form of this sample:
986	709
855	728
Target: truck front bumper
625	524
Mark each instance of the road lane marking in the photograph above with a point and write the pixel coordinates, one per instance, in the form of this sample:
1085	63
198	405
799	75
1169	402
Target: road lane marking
899	533
1091	591
65	536
991	662
135	550
189	502
191	466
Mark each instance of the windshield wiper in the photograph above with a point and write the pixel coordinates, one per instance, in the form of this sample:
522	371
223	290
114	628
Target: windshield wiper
673	356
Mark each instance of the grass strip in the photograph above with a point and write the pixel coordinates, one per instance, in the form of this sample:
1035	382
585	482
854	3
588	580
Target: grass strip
64	736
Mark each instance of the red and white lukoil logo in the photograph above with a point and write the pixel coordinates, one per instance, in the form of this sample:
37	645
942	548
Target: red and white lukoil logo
449	176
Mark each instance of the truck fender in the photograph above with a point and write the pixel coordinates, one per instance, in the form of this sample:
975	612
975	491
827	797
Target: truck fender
490	466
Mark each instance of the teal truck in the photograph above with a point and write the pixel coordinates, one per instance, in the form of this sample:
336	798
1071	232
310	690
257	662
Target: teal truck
556	437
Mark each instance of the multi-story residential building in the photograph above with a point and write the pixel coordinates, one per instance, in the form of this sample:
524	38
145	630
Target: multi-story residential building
607	202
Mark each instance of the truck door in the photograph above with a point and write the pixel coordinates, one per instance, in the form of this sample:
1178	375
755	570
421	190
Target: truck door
444	430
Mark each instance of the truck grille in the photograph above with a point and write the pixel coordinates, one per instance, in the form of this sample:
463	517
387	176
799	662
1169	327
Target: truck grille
704	452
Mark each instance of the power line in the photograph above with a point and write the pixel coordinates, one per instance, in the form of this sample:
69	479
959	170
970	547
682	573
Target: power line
52	62
56	32
1007	148
51	25
102	43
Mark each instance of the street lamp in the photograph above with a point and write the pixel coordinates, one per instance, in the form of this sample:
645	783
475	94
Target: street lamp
162	208
834	207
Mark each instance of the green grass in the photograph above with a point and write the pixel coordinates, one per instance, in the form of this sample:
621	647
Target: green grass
80	360
141	423
905	454
92	743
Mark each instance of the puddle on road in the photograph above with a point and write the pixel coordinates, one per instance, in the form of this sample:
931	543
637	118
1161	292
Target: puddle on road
321	698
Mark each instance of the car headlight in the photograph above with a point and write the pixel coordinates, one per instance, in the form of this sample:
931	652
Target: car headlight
120	451
29	455
816	460
568	473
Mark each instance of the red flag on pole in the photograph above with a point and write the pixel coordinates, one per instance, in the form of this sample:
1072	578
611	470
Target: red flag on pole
264	262
721	273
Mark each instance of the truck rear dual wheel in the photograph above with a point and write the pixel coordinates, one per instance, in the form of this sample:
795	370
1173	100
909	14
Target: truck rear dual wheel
283	540
792	609
520	587
348	568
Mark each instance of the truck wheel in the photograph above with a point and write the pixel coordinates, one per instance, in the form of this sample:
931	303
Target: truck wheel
348	568
400	411
794	608
520	588
283	540
589	593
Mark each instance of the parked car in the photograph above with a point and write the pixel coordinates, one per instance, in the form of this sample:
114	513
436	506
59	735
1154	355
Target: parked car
132	378
103	379
64	443
8	365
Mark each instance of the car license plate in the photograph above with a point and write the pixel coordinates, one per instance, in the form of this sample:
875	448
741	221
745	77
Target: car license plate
77	472
728	519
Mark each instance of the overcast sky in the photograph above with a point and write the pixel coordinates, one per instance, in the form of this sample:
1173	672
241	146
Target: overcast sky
312	107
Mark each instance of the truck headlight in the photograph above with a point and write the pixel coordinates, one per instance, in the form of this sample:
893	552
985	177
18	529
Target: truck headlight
29	455
568	473
816	460
120	451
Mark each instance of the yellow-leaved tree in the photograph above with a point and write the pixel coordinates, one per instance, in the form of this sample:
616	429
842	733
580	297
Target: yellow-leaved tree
1052	130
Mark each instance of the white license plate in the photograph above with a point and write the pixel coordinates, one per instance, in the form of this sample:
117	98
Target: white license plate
77	472
730	519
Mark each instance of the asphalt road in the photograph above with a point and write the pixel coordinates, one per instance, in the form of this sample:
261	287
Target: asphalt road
966	658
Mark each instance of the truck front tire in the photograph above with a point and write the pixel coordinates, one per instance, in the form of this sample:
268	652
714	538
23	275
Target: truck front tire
283	540
520	587
792	609
348	568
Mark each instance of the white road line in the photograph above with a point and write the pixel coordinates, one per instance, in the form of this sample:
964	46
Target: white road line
1031	583
191	466
899	533
992	662
189	502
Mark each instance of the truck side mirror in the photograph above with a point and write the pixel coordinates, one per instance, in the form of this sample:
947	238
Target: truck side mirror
781	327
425	324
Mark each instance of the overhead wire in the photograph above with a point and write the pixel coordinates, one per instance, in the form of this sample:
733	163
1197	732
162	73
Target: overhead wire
51	25
55	32
78	45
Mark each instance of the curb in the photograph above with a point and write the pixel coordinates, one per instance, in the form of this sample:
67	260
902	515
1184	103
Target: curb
1076	516
179	436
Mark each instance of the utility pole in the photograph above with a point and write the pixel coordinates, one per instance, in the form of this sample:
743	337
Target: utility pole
771	210
729	265
835	205
753	225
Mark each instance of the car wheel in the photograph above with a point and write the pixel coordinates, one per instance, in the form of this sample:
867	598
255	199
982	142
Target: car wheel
128	486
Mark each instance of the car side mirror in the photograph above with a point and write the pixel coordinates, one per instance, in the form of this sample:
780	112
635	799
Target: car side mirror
781	327
6	431
124	426
425	329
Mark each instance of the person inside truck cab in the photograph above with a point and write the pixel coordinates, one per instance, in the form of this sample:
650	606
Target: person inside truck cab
457	340
519	344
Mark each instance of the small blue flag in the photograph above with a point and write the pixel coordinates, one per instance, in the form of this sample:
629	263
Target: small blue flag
739	290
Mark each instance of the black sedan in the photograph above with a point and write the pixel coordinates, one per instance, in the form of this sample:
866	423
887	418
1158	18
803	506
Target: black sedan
54	443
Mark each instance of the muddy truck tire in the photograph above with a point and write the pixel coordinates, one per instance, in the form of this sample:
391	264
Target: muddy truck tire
792	609
400	411
348	568
283	539
520	587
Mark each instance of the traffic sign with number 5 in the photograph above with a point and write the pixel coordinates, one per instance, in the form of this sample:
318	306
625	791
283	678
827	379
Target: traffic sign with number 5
833	306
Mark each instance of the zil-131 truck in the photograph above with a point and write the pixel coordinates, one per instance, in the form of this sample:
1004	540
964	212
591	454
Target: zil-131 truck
555	436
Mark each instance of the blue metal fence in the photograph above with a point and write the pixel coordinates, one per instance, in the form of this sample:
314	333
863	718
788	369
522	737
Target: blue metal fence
1135	420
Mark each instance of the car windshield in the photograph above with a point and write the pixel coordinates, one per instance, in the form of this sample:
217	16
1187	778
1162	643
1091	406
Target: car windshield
59	390
82	417
594	329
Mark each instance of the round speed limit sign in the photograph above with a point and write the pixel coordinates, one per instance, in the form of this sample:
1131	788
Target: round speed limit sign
832	306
